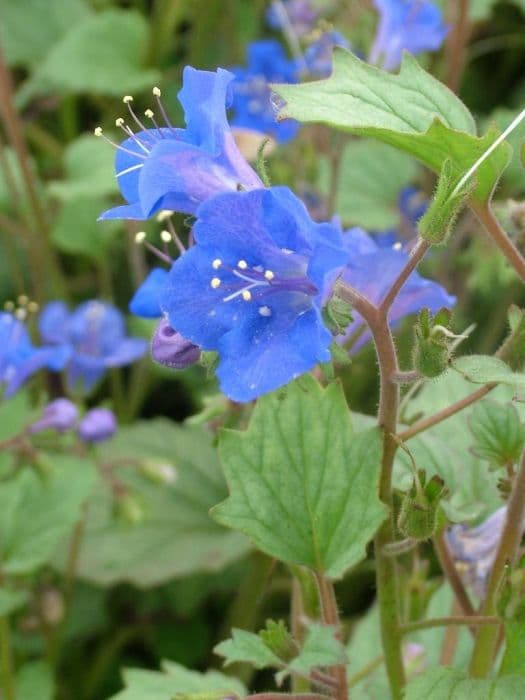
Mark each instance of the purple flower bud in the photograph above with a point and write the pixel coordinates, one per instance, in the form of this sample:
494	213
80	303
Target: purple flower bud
98	425
59	415
169	348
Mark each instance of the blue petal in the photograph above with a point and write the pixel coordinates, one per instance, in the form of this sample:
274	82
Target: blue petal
146	300
52	322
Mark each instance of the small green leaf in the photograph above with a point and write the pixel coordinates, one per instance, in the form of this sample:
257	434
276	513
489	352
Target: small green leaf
174	681
320	648
512	661
35	680
498	432
371	176
302	485
247	647
484	369
11	601
448	684
412	111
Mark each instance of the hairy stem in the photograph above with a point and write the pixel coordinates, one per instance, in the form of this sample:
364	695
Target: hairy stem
457	43
6	660
449	569
485	214
417	254
487	639
330	616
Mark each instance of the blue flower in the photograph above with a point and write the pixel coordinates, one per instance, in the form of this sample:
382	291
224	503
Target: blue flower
146	300
300	15
95	334
318	55
19	359
414	25
373	268
252	104
252	286
474	548
97	425
60	415
177	169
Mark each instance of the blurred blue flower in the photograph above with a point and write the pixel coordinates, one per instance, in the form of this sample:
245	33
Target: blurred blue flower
177	169
97	425
251	288
474	548
19	359
146	300
59	415
253	103
300	14
318	56
95	333
414	25
373	268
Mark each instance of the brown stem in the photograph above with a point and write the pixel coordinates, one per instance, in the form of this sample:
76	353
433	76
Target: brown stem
330	616
417	254
450	639
449	569
507	554
485	214
457	43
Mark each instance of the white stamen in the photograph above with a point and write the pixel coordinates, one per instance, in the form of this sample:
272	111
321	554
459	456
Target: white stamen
130	169
156	91
21	314
140	237
165	236
242	264
216	263
23	299
119	122
246	295
265	311
269	275
127	99
97	131
149	114
164	214
215	283
33	307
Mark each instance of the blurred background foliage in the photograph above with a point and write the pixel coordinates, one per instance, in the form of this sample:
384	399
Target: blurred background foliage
164	581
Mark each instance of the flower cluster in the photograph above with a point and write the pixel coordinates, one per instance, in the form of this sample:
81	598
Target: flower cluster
61	415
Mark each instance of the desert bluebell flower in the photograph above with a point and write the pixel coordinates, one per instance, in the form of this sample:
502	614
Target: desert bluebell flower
97	425
252	286
252	105
414	25
178	169
300	14
19	359
318	56
95	334
372	269
146	300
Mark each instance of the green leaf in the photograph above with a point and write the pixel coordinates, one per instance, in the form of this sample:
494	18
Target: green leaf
484	369
320	648
371	177
412	111
101	55
35	680
449	684
11	601
513	176
36	514
30	28
177	536
302	486
498	432
247	647
89	170
176	680
512	661
77	231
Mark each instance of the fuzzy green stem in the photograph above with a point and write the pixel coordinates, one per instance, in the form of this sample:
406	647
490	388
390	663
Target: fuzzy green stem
487	639
330	616
500	238
6	660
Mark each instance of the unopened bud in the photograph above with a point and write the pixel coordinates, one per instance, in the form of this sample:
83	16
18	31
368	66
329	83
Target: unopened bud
337	315
433	346
59	415
169	348
279	640
159	472
98	425
419	510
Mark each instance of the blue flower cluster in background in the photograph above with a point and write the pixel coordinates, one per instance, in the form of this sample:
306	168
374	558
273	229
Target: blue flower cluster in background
298	15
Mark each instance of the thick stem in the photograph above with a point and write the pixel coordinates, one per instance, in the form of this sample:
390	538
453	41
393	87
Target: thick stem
457	43
449	569
6	660
417	254
499	236
330	616
487	640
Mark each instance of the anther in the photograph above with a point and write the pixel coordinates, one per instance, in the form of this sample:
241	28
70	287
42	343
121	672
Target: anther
127	99
98	131
23	299
140	237
9	306
21	314
164	214
246	295
149	114
165	237
215	283
216	263
242	264
156	91
119	122
269	275
265	311
33	307
397	246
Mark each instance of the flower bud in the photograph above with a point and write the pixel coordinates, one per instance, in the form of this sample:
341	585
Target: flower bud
59	415
159	472
432	351
279	640
419	510
98	425
169	348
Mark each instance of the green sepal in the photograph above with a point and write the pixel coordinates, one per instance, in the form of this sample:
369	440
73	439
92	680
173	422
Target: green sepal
337	315
418	515
339	354
260	164
436	224
278	639
432	350
209	360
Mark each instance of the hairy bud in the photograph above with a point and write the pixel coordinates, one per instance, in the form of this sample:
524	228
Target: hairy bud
419	510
